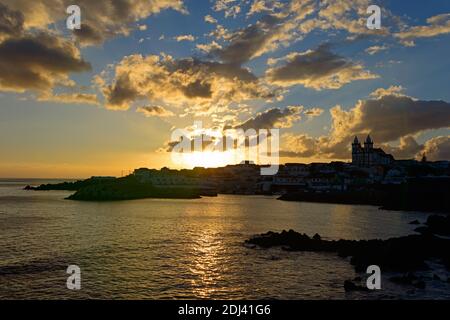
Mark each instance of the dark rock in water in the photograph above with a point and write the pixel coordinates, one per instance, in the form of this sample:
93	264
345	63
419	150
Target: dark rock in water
28	187
350	286
436	277
435	224
415	222
407	279
439	225
317	237
423	230
396	254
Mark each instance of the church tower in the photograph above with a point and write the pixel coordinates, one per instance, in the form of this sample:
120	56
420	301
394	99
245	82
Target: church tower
368	152
368	144
356	151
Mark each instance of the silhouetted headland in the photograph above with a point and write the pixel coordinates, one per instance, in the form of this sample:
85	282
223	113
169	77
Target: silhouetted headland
126	188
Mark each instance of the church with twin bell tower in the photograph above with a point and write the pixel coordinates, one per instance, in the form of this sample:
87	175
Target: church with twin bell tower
369	156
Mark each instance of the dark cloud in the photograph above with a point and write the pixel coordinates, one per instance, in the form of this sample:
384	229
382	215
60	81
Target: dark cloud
393	116
204	141
88	35
273	118
249	42
102	19
269	33
317	69
11	22
157	111
197	89
121	93
38	62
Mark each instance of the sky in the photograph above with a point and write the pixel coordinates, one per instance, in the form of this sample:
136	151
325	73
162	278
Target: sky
105	99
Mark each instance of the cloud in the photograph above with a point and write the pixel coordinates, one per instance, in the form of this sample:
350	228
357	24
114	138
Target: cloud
258	6
273	118
408	148
193	141
11	22
347	15
38	62
230	8
209	47
390	117
252	41
391	91
266	35
88	35
313	112
107	18
437	148
298	145
210	19
375	49
181	83
437	25
220	33
184	37
317	69
155	111
82	98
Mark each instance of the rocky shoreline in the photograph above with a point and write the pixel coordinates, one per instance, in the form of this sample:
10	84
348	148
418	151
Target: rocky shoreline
405	255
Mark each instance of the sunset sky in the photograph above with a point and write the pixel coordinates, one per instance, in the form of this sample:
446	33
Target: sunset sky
105	99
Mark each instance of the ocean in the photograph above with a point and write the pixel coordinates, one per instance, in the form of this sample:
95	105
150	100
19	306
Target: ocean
186	249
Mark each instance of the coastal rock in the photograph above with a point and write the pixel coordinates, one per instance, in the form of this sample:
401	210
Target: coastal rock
423	230
420	284
401	254
407	279
438	225
351	286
